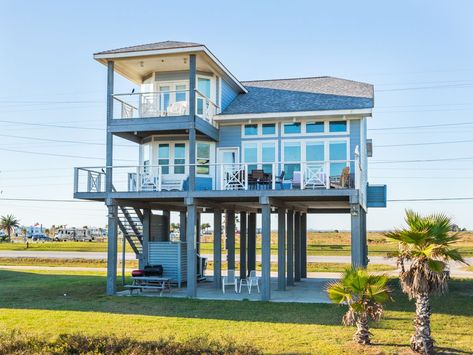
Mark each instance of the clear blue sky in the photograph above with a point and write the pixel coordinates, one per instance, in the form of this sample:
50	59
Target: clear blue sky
418	55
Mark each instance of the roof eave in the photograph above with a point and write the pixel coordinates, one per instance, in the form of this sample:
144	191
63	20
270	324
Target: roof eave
104	57
366	112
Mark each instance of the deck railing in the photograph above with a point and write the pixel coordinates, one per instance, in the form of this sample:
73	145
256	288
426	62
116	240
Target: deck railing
236	176
162	104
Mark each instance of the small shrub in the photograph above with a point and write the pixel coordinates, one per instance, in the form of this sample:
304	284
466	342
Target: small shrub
19	344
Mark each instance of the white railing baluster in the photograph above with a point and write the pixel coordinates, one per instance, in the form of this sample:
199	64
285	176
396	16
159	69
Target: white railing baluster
273	178
245	167
160	178
302	175
327	174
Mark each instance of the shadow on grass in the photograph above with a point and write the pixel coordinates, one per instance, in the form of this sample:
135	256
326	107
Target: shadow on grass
23	290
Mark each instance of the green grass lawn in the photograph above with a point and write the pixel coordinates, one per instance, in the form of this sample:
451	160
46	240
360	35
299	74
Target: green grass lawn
101	263
48	304
320	243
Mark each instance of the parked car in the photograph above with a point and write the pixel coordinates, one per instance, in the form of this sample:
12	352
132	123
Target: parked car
40	237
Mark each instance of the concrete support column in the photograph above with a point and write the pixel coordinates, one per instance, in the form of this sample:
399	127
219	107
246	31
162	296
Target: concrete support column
182	226
297	246
192	131
290	247
167	215
109	138
146	236
304	245
364	236
112	250
230	234
191	248
266	251
281	249
198	233
251	242
218	248
243	244
357	240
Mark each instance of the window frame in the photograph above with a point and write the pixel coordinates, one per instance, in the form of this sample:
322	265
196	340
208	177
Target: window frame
259	130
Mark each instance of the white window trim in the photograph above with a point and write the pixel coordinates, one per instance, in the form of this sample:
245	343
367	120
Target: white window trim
259	151
212	159
325	141
317	134
259	130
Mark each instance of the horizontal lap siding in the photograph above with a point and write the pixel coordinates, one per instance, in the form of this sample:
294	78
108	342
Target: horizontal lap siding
230	136
228	94
377	195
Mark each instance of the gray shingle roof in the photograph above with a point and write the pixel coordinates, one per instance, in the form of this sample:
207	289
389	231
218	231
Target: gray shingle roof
302	94
152	47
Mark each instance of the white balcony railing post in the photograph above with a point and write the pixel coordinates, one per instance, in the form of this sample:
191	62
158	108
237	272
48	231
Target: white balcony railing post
327	174
273	182
160	178
138	179
245	167
302	175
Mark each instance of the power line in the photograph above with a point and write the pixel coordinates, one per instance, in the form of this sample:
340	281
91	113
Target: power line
62	141
425	143
419	160
45	200
58	155
431	199
422	126
465	85
50	125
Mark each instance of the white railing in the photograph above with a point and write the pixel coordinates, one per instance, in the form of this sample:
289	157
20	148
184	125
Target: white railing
162	104
235	176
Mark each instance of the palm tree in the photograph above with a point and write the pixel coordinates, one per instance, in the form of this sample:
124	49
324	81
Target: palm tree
9	222
364	294
425	248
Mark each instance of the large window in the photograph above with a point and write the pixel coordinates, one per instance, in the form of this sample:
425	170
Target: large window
338	153
203	85
292	128
315	152
268	156
181	93
251	155
260	155
163	157
292	158
203	158
179	158
146	157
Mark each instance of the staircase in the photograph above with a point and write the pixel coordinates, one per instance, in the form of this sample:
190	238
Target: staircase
130	222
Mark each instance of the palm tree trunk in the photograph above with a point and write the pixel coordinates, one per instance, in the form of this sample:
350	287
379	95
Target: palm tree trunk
421	340
362	335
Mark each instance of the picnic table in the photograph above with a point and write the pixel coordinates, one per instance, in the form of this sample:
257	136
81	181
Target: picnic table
150	282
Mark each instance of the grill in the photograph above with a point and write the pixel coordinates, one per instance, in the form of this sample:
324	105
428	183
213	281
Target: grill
153	270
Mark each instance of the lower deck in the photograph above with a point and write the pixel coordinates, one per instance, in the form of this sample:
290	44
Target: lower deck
309	290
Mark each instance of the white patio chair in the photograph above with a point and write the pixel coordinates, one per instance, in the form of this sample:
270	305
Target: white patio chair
230	279
296	180
251	281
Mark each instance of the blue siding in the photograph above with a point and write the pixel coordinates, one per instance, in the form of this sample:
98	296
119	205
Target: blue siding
377	195
230	136
228	94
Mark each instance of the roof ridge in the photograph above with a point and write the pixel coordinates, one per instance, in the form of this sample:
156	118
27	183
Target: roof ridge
184	44
284	79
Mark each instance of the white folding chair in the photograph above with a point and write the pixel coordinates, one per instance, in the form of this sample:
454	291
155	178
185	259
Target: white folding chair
230	279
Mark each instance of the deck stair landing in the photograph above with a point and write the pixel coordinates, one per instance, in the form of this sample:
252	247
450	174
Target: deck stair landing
130	221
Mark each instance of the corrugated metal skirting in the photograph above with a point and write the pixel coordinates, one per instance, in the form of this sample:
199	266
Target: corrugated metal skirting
172	256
